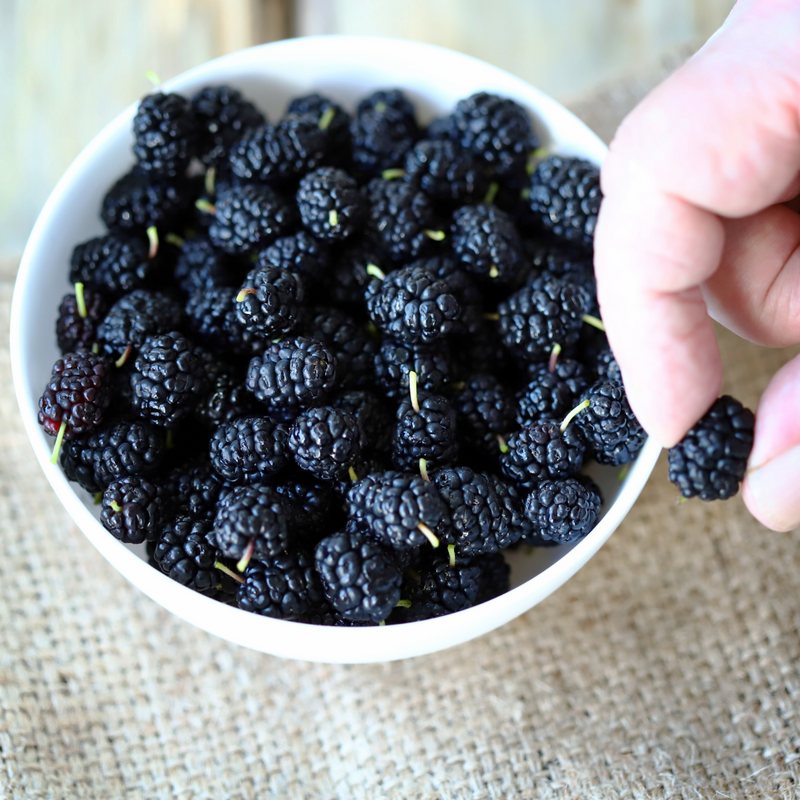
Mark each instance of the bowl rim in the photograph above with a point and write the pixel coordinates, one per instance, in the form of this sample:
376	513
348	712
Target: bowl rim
274	636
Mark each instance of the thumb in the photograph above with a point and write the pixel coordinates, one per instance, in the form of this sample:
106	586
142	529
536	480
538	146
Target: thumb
771	488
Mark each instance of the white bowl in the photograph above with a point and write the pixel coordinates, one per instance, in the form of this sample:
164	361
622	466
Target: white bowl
346	69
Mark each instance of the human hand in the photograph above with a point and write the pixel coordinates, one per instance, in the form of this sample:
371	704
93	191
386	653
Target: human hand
693	226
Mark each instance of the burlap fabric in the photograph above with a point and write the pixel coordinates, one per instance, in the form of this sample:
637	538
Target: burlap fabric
667	668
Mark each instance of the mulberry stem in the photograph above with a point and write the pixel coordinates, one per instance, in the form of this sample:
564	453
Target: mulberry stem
554	353
412	390
428	533
594	322
152	237
228	571
62	429
376	272
80	300
211	180
423	470
451	551
389	174
242	563
326	118
574	413
241	296
120	362
491	193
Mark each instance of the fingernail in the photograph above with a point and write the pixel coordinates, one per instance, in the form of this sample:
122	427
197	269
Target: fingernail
774	491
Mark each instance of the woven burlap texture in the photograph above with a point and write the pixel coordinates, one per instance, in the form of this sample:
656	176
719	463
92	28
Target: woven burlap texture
666	668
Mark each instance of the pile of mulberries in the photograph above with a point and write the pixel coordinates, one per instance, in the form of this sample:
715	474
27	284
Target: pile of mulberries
318	366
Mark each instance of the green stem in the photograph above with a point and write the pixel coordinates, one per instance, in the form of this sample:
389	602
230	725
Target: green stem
423	470
152	236
211	180
412	390
228	571
437	236
574	413
594	322
451	551
376	272
80	300
327	117
428	533
62	429
491	193
333	218
242	563
554	353
389	174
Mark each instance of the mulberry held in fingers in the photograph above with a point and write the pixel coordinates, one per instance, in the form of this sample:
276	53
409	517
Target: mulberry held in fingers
248	449
565	197
612	432
562	511
325	441
359	578
77	394
711	460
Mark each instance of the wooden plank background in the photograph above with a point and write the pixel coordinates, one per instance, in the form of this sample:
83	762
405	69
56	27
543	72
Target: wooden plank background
68	66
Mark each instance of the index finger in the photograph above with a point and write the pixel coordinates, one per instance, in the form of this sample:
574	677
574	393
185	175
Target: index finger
719	137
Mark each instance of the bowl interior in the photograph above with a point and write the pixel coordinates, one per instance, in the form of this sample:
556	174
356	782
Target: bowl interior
346	69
